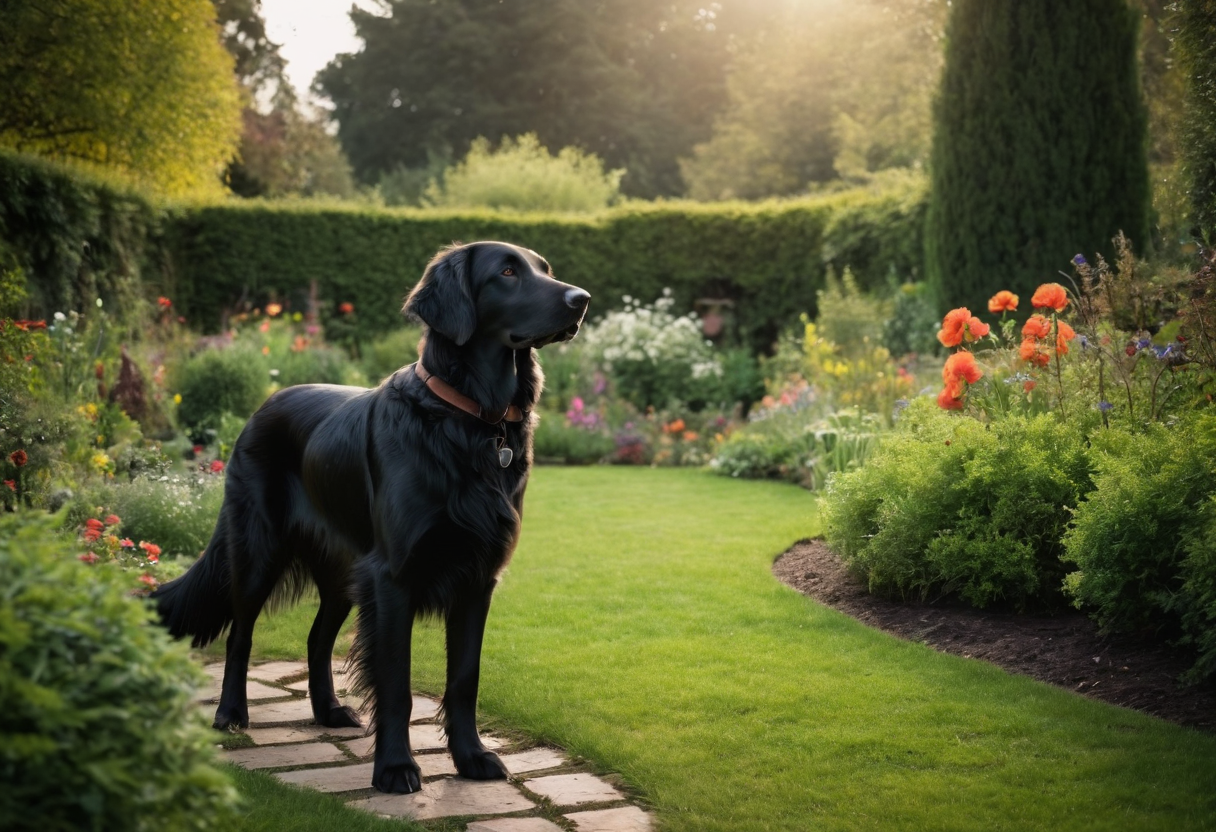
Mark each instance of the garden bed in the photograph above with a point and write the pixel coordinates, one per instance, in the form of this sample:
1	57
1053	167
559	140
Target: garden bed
1065	649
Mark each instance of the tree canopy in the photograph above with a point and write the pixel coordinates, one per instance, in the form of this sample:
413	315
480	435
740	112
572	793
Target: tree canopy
143	86
634	82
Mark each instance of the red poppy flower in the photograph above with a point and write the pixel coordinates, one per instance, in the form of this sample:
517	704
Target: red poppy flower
149	580
112	520
1003	301
1033	352
346	308
88	557
127	543
91	535
26	326
961	367
947	401
19	458
960	325
12	484
217	466
1050	296
151	549
163	302
93	524
1036	327
1064	334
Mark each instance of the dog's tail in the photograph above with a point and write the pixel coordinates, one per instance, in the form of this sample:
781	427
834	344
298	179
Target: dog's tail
199	603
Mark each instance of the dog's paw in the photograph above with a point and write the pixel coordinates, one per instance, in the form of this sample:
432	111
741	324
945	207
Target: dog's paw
480	765
338	716
403	778
230	719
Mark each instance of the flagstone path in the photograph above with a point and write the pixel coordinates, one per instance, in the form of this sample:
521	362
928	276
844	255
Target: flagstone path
547	791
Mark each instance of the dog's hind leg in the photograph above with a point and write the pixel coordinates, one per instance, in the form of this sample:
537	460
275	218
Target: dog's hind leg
466	624
335	606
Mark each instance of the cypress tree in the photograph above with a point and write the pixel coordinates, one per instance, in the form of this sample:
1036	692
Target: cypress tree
1039	150
1196	43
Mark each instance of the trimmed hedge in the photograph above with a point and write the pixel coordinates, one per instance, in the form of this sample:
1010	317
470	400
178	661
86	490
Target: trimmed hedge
769	258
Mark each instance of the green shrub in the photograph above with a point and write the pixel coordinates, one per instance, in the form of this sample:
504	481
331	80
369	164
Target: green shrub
391	351
952	506
914	321
1197	601
318	364
97	728
1143	521
177	513
522	175
219	381
557	441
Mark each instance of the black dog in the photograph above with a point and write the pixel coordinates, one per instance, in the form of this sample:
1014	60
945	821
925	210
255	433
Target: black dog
405	499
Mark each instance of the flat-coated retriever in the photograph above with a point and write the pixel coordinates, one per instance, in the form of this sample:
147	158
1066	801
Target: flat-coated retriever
404	499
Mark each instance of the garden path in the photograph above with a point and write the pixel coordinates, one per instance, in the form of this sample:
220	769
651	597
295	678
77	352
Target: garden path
547	791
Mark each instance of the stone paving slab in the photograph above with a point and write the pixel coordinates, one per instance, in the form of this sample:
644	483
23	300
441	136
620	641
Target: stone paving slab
359	776
296	710
341	682
422	738
280	756
624	819
449	797
534	759
274	671
573	789
254	691
514	825
299	733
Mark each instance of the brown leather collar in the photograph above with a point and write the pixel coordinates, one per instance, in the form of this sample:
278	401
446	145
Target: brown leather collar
459	400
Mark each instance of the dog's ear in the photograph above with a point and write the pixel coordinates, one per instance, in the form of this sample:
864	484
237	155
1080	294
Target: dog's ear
443	299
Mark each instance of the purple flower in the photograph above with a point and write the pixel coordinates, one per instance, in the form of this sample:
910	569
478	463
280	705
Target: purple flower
1083	341
1105	407
1163	352
1079	260
1144	344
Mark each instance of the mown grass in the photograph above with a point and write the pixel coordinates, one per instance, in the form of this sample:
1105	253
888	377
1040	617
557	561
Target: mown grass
639	626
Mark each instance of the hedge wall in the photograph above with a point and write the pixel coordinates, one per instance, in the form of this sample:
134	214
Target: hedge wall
79	237
76	236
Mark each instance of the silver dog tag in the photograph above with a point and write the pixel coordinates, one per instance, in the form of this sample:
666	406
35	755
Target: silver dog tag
505	456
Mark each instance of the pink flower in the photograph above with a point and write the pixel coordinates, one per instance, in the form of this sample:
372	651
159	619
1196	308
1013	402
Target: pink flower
149	580
88	557
127	543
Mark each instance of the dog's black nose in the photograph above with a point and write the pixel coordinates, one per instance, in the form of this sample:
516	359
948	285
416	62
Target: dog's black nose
577	298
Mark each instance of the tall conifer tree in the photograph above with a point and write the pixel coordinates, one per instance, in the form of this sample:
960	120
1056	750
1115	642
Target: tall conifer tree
1039	146
1196	41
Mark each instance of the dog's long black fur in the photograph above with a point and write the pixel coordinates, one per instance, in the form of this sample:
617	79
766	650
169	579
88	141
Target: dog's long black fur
390	498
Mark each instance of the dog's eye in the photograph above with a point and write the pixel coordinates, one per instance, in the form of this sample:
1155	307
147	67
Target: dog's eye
508	271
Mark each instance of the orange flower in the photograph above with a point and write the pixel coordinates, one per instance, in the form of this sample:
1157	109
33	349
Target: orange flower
690	436
1029	385
947	401
1036	327
1003	301
346	308
961	367
1033	352
1064	334
675	427
1050	296
960	325
113	520
273	309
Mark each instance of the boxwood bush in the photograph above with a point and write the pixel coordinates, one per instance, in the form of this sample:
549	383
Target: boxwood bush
217	381
955	507
97	731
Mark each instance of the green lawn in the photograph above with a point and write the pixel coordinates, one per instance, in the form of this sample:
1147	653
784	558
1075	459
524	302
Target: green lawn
639	626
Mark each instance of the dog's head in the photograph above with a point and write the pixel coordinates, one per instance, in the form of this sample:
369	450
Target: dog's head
499	291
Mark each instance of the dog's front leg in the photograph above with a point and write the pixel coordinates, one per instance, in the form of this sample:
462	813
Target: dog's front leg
466	624
394	769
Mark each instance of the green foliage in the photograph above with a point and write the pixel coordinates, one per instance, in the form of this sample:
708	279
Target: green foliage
175	512
955	507
390	352
97	728
1196	49
824	93
522	175
914	321
214	382
75	236
1039	145
636	84
555	440
288	153
791	444
1196	603
1143	520
140	86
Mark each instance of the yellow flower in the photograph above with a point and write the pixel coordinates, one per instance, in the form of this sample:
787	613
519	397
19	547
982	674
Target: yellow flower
101	461
177	398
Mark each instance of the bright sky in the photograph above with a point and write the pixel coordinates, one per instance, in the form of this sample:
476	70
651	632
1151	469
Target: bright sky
311	33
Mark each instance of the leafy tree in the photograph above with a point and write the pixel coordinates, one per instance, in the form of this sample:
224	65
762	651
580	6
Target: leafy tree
523	175
143	86
1039	149
818	94
634	82
1196	41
